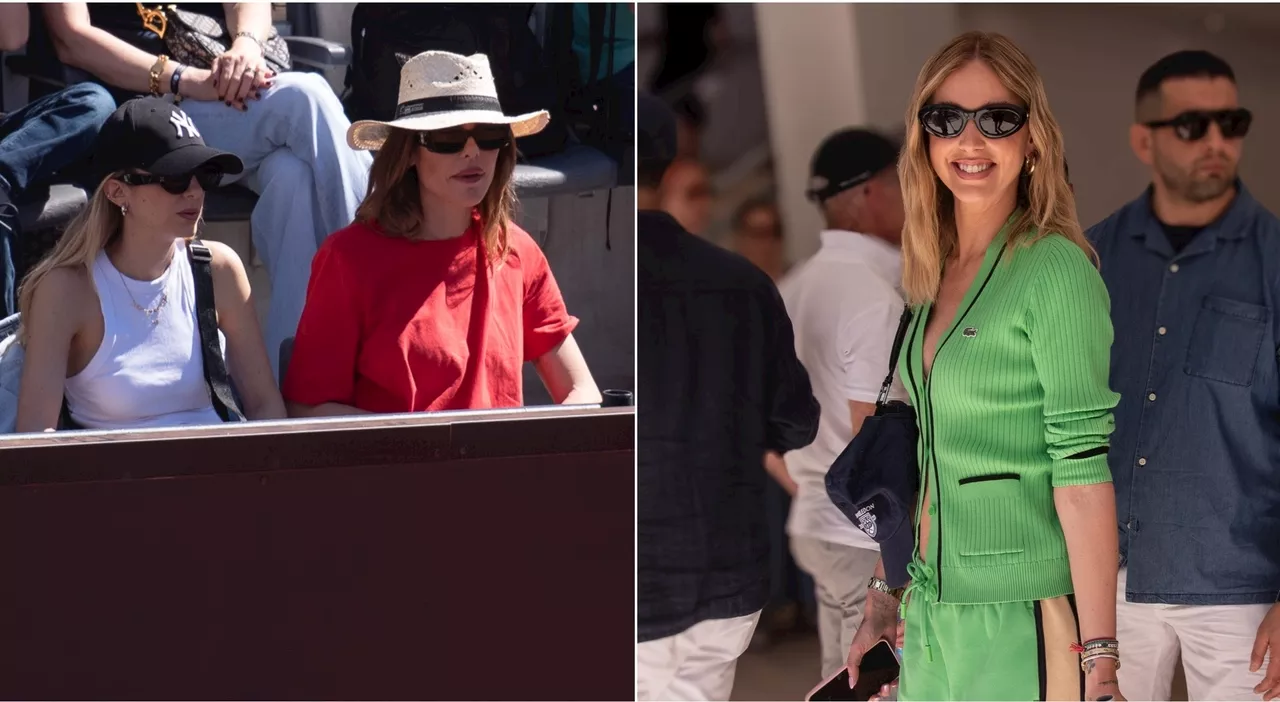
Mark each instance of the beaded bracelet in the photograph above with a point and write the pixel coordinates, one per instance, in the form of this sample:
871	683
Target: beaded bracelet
1084	662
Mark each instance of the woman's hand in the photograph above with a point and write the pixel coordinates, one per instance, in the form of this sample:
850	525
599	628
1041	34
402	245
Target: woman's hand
887	692
201	84
880	622
1100	681
890	691
240	72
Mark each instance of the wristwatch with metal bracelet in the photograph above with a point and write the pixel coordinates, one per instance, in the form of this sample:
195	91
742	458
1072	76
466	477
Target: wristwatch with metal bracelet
880	585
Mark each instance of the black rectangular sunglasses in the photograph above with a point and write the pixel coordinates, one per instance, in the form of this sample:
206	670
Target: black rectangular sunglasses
1192	125
994	121
450	141
176	184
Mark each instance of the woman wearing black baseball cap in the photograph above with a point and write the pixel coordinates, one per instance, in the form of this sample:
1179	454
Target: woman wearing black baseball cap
109	318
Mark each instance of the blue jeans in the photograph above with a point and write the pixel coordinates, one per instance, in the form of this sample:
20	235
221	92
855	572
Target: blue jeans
309	182
37	142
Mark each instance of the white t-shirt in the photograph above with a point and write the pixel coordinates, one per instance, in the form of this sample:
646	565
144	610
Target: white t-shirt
845	304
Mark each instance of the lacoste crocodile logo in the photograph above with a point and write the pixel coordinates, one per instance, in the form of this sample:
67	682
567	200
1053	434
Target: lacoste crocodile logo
970	332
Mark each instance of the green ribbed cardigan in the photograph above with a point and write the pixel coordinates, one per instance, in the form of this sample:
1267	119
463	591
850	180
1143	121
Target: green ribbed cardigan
1017	404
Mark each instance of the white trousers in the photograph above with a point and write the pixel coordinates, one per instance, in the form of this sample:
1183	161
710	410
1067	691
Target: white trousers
1215	642
840	575
699	663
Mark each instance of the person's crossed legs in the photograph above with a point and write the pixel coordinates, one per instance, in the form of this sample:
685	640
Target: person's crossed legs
36	143
294	146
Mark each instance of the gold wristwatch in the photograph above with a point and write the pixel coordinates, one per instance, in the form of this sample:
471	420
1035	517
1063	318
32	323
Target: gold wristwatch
881	586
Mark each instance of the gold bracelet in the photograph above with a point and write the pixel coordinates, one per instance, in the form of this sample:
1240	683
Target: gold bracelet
156	70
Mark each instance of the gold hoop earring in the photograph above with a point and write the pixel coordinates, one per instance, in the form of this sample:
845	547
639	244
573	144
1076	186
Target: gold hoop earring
1030	166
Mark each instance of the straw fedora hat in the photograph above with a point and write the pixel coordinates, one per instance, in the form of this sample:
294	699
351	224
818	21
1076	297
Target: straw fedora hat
439	90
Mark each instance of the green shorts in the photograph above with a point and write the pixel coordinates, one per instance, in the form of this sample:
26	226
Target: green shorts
1007	651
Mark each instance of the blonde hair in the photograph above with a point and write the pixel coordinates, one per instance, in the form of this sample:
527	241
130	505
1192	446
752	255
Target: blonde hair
97	226
395	202
1045	202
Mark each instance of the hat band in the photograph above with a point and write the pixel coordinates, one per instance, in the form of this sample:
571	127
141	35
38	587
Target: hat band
448	103
821	194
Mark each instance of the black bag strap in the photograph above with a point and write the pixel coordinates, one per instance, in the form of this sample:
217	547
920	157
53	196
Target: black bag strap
898	338
215	368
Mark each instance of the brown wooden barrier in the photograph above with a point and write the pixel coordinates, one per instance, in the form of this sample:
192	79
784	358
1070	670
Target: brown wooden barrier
473	556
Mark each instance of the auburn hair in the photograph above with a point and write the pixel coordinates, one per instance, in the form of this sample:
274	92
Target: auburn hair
394	199
1045	202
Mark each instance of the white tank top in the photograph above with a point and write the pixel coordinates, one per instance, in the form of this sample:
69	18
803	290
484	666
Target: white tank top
144	374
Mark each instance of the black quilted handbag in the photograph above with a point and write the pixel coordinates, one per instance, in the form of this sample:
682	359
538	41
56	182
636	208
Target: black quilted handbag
196	39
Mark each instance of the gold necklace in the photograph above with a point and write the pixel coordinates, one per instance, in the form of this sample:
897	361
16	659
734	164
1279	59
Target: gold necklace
152	313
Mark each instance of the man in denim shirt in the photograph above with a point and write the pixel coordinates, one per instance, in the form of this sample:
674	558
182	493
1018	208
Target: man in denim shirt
1193	267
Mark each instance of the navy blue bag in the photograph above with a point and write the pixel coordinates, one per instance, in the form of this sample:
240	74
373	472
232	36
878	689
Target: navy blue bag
875	479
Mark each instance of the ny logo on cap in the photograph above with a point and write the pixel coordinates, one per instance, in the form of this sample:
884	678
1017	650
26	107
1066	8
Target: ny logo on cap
181	122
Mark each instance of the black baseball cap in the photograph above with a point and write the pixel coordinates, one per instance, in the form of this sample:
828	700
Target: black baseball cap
846	159
154	135
873	483
656	136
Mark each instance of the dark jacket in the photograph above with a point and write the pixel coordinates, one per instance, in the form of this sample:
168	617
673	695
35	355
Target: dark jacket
718	385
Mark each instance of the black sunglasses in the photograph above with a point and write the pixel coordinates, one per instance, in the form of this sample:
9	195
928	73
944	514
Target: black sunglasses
175	184
1194	124
994	121
450	141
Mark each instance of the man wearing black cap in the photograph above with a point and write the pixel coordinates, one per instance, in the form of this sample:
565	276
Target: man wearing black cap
845	303
719	384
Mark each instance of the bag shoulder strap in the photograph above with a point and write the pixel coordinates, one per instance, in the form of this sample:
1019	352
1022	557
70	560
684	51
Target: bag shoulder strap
215	368
903	323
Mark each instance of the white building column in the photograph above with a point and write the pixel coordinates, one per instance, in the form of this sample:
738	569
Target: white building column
829	66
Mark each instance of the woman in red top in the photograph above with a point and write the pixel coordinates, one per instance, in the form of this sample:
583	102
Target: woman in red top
434	299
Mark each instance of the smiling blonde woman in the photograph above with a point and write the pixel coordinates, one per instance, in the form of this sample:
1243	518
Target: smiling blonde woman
1006	362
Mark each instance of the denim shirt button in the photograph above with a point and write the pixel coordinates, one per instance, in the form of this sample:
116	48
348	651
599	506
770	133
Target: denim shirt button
1142	461
1173	268
1162	331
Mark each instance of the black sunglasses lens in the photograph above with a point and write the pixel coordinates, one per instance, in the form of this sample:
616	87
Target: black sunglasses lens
944	122
1235	124
492	137
451	141
999	122
208	180
1191	127
444	141
175	185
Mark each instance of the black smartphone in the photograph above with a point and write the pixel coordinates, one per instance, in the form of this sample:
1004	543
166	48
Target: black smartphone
879	667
